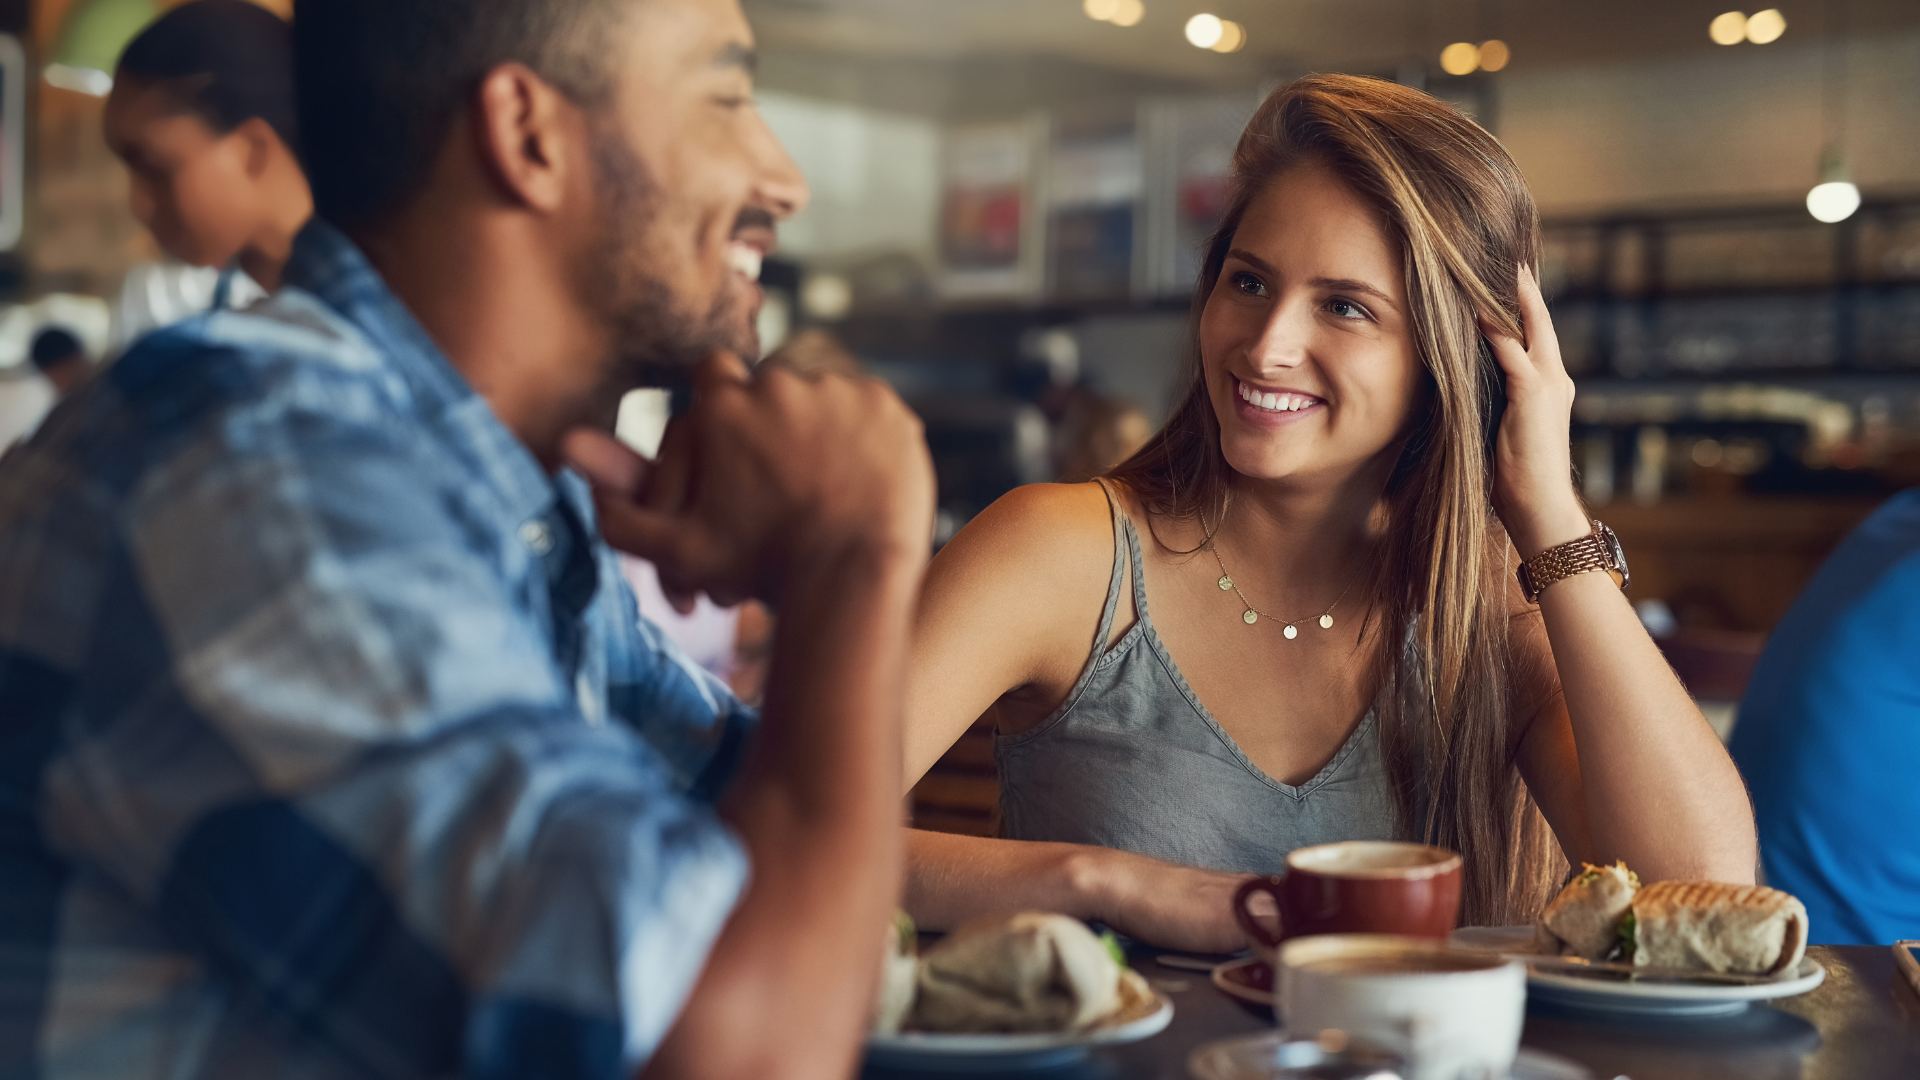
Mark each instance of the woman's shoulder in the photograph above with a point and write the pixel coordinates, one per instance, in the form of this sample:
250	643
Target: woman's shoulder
1040	532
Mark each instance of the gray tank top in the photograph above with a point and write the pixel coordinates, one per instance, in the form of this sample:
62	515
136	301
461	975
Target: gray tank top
1132	760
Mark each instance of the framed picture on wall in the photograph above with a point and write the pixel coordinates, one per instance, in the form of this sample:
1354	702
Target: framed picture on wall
13	140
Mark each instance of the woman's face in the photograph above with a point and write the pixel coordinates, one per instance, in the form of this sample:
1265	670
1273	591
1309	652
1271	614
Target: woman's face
1305	341
192	187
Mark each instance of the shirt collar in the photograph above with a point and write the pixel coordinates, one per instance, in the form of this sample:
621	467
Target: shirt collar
326	263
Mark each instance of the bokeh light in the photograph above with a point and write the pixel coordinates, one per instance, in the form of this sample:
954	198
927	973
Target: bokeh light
1766	26
1205	31
1460	58
1232	37
1494	55
1729	28
1129	14
1101	10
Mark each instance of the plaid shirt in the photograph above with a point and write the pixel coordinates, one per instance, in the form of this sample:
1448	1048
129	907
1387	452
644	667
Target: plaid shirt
331	743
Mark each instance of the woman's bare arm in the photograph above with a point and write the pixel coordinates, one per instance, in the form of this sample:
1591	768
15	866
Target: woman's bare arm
1654	784
1008	615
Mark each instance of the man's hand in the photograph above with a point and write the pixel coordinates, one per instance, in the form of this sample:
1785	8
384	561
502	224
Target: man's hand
769	473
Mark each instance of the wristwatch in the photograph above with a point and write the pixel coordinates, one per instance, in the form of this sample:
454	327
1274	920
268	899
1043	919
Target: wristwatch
1598	550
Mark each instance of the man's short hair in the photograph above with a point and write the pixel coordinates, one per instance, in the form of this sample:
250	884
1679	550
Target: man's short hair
381	82
55	345
226	60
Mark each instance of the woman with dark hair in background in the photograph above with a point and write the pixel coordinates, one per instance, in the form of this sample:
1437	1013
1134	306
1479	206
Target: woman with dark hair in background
1301	595
202	113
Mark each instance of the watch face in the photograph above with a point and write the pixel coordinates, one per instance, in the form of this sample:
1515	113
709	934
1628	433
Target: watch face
1617	553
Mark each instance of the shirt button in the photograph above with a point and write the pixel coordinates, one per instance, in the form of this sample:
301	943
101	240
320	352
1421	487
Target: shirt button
537	536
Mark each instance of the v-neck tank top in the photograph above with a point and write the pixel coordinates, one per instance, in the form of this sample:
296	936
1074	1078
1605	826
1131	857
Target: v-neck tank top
1132	760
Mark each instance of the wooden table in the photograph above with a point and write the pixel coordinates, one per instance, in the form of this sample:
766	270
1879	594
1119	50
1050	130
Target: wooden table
1863	1023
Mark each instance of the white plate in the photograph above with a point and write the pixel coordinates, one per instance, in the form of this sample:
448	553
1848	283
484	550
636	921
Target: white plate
1607	993
927	1052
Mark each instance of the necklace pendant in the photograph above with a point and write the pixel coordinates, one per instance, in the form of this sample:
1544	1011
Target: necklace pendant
1326	622
1290	632
1249	617
1225	583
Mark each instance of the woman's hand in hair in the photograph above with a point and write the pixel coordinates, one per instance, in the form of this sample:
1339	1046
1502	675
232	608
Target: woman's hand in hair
1533	467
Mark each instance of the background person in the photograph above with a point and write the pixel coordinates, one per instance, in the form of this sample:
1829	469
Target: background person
60	358
1829	737
1292	618
202	113
324	698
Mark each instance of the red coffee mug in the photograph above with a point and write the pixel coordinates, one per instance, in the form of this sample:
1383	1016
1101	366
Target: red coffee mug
1358	887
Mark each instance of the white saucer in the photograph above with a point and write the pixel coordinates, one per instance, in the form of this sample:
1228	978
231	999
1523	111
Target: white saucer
1608	992
926	1052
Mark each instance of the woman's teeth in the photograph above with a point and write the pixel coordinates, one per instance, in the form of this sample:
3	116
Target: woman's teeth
744	258
1276	402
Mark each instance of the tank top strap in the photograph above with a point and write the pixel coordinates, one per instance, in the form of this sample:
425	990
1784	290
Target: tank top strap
1123	542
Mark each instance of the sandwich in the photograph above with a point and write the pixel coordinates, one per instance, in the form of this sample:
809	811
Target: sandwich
1022	973
1584	920
899	976
1744	929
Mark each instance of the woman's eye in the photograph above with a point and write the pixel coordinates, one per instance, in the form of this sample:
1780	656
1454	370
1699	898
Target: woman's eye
1347	309
1249	284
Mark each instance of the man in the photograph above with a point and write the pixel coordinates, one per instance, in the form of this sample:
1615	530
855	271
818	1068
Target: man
332	746
1829	737
60	359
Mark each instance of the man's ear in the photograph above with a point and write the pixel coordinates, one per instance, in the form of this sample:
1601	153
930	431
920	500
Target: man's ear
261	140
524	130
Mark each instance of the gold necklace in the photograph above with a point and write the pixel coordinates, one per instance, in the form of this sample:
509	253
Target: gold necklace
1252	614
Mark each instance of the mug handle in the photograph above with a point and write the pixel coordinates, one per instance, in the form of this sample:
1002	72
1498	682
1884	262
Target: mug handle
1271	886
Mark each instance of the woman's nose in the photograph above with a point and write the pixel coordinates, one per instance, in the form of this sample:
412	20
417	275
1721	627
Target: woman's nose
1283	340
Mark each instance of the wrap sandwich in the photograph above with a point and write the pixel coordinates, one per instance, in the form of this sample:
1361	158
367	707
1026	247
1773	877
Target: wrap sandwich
1746	929
1584	920
1030	972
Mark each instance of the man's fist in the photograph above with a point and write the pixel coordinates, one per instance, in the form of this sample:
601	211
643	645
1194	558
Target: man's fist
767	475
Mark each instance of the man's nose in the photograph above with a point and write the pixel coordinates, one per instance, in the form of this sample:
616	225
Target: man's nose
780	188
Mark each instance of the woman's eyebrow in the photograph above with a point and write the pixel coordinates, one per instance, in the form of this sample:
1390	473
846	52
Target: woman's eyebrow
1351	285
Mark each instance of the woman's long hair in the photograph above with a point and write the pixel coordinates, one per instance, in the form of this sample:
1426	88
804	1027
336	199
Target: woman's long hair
1454	201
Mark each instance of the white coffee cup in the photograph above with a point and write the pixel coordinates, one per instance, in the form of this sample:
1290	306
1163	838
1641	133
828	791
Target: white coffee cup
1453	1015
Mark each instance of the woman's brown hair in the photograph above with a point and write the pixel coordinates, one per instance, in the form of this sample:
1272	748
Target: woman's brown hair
1455	203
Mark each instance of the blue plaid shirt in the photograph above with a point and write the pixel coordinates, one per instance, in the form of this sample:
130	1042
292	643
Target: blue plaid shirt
331	742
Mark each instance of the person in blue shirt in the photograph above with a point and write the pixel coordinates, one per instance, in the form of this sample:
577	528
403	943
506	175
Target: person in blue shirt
1829	737
331	743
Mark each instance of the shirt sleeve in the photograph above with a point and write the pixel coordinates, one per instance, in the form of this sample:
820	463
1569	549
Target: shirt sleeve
366	796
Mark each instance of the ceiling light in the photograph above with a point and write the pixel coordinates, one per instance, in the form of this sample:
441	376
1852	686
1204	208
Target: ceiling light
1835	200
1766	26
1729	28
1129	13
1460	58
1494	55
1101	10
1232	37
1205	31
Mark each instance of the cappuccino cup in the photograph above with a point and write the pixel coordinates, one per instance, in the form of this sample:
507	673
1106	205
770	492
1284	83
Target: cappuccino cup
1450	1014
1356	887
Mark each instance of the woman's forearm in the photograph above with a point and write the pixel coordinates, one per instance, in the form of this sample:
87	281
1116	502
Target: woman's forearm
1660	790
951	879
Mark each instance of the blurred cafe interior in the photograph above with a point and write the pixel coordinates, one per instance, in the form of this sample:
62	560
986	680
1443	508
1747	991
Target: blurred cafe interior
1008	212
1008	198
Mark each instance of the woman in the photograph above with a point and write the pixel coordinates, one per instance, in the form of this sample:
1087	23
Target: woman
1300	597
202	113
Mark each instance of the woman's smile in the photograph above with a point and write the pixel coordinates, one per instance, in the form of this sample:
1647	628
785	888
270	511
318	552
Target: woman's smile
1274	407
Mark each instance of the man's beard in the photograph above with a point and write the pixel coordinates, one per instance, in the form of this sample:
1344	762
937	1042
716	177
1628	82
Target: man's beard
654	342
